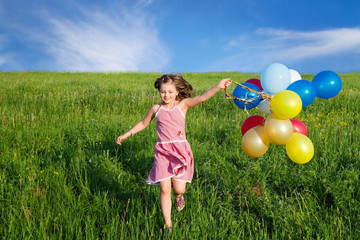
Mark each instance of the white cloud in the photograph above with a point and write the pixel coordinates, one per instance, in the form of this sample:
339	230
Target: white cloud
315	44
251	52
144	3
121	39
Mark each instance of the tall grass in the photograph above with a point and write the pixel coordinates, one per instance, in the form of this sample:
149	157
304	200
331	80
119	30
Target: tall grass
63	177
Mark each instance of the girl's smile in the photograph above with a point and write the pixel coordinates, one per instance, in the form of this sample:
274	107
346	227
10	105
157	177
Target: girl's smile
168	93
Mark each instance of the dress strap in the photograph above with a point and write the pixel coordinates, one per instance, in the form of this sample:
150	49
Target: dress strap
158	109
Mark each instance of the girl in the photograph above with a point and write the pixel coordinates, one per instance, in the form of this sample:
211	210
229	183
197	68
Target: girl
173	155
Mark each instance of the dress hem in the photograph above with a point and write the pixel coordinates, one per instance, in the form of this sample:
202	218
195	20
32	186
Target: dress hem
157	183
172	176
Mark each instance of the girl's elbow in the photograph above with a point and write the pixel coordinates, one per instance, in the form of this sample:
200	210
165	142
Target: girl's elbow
144	125
204	99
198	101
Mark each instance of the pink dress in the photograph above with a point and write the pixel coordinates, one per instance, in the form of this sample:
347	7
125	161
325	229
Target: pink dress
173	155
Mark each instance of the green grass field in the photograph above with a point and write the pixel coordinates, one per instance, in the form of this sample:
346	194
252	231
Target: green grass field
62	176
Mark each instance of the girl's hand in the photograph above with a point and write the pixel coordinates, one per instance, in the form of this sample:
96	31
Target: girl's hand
120	139
225	83
123	137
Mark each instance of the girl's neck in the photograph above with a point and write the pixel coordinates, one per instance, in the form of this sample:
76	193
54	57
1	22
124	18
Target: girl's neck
169	105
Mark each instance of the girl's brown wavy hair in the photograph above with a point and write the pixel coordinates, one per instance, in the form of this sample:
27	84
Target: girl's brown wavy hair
185	89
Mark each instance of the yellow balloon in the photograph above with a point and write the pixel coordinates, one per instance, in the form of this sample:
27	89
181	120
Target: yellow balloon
286	104
300	148
279	131
255	142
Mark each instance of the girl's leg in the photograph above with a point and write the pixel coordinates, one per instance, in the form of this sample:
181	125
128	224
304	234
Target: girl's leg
165	200
179	188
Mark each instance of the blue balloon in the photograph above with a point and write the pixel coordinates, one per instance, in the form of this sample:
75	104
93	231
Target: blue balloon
327	84
253	98
275	78
305	90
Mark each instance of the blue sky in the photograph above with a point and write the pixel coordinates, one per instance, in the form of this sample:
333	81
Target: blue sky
179	36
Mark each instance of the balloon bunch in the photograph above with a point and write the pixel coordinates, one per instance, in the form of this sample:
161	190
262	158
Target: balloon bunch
281	93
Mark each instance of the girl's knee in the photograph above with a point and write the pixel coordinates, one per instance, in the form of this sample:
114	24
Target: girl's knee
179	187
165	191
165	187
180	191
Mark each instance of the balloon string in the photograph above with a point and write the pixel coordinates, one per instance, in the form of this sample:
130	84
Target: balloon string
246	101
262	94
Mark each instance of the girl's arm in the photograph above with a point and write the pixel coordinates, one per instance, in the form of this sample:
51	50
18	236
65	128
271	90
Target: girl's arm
192	102
140	125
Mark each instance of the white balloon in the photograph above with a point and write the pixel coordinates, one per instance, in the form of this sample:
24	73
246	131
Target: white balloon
275	78
294	76
264	106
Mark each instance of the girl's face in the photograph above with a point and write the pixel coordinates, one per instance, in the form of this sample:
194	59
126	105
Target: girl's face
168	93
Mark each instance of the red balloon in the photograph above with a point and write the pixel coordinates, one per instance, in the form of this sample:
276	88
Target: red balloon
299	127
250	122
256	82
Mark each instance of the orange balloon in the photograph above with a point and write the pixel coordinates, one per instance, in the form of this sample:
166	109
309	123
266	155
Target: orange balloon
300	148
279	131
255	142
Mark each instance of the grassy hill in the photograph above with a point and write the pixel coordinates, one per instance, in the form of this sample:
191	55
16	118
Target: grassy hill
62	176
